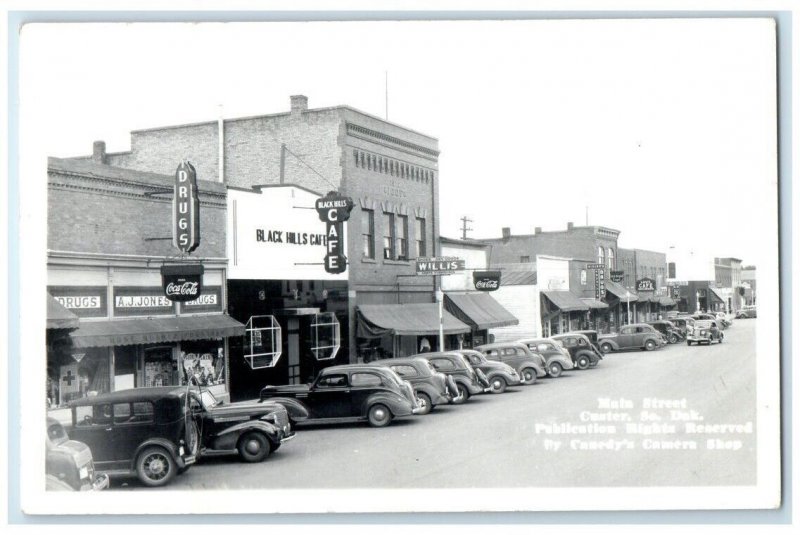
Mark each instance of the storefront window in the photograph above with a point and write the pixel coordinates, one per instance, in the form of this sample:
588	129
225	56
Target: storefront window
80	373
262	342
325	333
204	361
160	369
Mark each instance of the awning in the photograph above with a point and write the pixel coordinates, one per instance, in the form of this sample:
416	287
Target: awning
593	303
619	292
713	293
155	330
411	319
565	300
59	317
665	301
647	298
479	309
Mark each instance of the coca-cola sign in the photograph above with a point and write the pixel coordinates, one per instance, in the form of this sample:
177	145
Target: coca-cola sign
182	282
486	281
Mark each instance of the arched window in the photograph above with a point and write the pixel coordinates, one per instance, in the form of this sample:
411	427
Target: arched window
601	255
611	264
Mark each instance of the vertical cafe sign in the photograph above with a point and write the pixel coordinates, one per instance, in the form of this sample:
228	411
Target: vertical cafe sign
334	209
185	210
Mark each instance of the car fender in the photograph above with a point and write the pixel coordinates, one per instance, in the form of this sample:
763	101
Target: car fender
227	439
297	410
656	340
565	362
397	407
586	353
610	341
430	391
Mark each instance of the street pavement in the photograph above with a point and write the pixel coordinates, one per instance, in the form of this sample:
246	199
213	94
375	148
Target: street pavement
503	440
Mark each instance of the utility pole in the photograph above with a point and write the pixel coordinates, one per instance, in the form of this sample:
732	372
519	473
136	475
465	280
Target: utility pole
464	227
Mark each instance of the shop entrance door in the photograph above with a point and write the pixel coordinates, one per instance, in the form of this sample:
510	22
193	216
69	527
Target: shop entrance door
293	331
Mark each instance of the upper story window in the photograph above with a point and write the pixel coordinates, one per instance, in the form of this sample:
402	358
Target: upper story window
601	255
402	237
388	236
421	249
611	264
524	259
368	233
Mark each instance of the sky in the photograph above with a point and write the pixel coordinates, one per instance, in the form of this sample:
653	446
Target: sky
664	130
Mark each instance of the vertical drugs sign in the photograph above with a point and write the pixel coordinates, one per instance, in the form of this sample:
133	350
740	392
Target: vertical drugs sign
185	209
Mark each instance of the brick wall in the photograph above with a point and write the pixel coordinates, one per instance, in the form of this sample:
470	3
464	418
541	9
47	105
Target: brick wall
579	243
96	209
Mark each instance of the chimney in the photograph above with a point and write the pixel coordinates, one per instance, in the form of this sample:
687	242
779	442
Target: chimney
299	104
569	225
537	230
506	233
99	152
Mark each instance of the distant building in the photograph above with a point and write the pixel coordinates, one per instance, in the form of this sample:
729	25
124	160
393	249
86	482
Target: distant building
728	277
749	284
639	265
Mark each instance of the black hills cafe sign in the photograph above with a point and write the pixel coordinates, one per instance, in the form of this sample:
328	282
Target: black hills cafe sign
334	209
182	282
185	209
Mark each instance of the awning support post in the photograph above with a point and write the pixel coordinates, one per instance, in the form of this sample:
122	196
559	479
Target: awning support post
440	301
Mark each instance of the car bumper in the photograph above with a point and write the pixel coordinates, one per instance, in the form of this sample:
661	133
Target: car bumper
477	389
287	438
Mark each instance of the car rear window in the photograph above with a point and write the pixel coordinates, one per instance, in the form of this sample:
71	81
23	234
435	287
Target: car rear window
365	379
443	364
405	371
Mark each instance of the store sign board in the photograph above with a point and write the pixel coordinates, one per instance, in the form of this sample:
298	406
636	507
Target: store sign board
596	266
185	209
334	208
440	265
182	282
141	301
599	281
83	301
617	275
645	285
676	292
276	234
486	281
209	301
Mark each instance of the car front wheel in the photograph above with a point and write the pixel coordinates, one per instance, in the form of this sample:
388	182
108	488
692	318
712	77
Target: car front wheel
528	376
498	385
425	404
253	447
379	415
649	345
155	467
554	369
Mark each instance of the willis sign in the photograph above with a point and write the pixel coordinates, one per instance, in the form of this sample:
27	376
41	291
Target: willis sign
185	209
334	209
182	282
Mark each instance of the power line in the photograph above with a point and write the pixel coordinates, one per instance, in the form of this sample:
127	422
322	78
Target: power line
310	167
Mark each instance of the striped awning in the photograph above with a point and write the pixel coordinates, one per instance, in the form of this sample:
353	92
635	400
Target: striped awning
479	309
410	319
620	292
58	316
565	300
593	303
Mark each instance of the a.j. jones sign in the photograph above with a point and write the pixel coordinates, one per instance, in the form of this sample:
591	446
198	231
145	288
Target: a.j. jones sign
334	210
185	209
486	281
645	285
182	282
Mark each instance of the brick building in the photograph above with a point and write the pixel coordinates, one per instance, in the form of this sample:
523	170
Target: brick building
649	267
109	234
728	277
390	172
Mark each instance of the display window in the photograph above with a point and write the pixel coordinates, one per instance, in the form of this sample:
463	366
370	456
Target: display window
262	342
160	366
325	335
203	360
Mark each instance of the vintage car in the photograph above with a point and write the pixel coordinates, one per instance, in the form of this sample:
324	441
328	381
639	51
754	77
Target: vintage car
252	429
580	348
557	358
723	320
499	374
430	386
149	433
668	330
634	336
469	381
350	392
705	332
746	312
68	463
685	324
529	365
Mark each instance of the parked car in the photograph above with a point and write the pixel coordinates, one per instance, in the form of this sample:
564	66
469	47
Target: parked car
557	359
634	336
454	365
351	392
592	336
723	320
430	386
705	332
68	463
580	348
746	312
499	374
149	433
529	365
684	324
668	330
250	428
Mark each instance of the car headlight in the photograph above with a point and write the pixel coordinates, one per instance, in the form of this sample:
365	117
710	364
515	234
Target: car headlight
180	451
